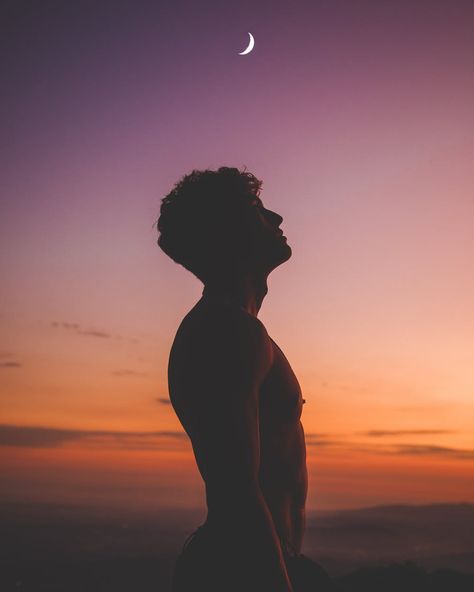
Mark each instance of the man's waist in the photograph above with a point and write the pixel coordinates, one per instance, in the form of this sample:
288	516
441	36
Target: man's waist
224	529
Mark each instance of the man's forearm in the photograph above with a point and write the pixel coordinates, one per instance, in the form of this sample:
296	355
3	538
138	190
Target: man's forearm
298	523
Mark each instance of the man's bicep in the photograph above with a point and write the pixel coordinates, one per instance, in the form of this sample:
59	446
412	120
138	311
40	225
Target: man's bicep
226	423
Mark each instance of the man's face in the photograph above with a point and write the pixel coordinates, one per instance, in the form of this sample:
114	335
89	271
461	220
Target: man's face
268	245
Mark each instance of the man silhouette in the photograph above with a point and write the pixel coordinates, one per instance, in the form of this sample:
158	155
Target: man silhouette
235	393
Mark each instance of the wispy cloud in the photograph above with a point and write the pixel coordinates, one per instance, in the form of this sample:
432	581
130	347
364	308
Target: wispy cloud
128	373
417	408
163	401
340	444
433	450
44	437
323	440
8	360
10	364
388	433
68	326
438	406
76	328
95	333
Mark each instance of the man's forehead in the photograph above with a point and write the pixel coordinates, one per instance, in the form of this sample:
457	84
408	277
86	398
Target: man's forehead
246	200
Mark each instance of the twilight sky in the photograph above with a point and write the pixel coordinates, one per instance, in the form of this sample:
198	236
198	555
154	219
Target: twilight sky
359	118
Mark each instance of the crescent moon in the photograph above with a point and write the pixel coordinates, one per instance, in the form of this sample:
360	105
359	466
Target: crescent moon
250	46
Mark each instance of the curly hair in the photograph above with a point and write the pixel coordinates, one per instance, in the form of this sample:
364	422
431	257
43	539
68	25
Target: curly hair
199	217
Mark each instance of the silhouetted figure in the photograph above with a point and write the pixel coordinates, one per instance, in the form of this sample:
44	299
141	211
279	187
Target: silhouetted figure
235	392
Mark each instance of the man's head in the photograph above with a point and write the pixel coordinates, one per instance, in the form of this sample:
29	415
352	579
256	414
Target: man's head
213	222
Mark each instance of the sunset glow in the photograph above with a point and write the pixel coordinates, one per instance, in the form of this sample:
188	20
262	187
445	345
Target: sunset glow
360	122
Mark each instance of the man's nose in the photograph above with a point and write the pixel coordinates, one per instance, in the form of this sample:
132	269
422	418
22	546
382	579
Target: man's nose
274	217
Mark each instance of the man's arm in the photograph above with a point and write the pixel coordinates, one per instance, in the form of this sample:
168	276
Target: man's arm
234	358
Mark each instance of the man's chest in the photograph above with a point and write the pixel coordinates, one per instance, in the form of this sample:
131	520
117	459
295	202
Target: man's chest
280	394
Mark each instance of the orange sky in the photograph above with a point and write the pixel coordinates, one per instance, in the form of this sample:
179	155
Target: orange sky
365	146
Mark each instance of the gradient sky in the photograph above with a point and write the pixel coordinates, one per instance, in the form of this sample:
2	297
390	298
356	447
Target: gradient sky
359	118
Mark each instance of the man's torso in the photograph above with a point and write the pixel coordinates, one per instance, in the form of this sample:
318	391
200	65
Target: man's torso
282	469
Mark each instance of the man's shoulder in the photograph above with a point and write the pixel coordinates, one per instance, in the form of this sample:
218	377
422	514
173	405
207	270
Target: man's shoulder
219	349
232	321
220	333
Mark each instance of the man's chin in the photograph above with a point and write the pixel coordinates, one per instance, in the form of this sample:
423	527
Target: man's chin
287	252
284	253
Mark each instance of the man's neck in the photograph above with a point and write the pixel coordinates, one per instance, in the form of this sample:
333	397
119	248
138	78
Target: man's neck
247	292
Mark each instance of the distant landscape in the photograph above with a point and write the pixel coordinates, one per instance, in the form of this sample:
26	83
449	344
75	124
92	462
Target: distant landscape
74	548
434	536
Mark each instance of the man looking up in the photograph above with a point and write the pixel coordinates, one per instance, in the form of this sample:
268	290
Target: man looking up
233	389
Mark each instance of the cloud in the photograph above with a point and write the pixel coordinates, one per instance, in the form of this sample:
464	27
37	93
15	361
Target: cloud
331	441
10	364
7	360
128	373
163	401
76	328
325	440
37	437
95	333
418	408
433	450
43	437
68	326
388	433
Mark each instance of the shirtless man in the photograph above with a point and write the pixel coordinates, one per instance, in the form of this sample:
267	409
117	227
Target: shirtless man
233	390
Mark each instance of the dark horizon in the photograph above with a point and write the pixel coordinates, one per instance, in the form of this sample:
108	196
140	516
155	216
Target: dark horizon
48	541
